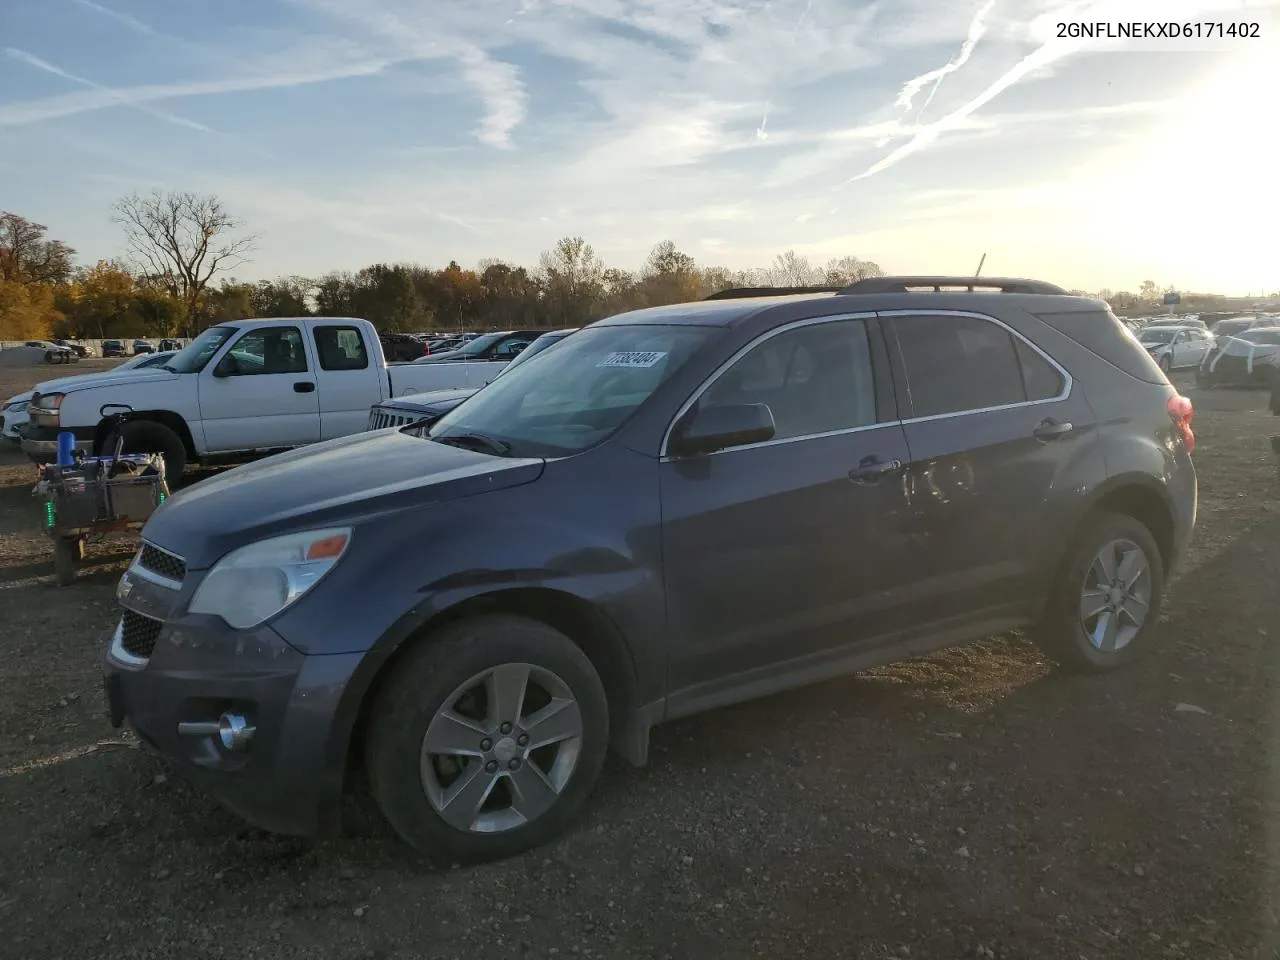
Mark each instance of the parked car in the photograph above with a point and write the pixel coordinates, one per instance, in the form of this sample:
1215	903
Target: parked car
675	509
1248	359
400	347
112	348
13	417
1232	326
144	360
80	349
169	343
499	347
1175	347
143	346
239	390
53	353
425	408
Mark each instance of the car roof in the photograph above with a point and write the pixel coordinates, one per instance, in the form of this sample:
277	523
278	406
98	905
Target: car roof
730	312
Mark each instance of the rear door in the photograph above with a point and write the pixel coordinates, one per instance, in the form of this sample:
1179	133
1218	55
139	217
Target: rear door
348	382
261	392
794	550
993	426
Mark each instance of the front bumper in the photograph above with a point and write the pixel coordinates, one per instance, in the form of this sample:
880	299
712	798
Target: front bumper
287	779
41	443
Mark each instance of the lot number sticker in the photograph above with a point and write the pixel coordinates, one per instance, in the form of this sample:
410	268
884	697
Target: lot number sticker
639	359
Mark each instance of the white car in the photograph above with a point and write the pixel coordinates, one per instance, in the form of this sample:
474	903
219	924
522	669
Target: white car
1176	346
14	415
241	389
140	361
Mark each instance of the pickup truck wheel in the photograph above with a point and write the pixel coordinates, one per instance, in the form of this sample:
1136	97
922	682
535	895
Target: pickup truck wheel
487	739
1106	602
147	436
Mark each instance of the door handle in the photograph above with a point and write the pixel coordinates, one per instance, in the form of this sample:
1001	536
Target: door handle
873	469
1050	429
304	386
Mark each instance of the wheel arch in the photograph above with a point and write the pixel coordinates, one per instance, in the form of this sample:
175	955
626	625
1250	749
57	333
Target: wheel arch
578	619
167	418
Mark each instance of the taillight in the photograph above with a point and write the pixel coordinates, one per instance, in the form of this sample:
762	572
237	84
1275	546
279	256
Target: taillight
426	349
1181	410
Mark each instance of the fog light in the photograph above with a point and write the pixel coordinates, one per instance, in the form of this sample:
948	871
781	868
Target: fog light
234	732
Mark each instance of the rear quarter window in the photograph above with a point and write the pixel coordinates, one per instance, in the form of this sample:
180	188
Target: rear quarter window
1102	334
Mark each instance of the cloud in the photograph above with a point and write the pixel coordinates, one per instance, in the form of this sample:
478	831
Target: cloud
503	94
99	97
116	96
977	27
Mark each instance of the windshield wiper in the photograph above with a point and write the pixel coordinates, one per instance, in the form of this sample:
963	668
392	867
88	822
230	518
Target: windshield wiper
474	441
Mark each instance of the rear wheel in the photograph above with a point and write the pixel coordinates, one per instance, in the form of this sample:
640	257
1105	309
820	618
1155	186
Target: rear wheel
488	739
148	436
1104	608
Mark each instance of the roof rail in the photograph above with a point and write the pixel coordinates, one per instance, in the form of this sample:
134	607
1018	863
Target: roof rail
737	293
972	284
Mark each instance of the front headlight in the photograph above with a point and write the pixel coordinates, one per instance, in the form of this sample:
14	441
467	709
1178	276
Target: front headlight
256	582
44	409
17	406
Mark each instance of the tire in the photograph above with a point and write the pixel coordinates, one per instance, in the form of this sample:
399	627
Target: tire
423	686
1063	632
64	561
148	436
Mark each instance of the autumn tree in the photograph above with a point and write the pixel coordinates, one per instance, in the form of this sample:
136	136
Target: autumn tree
27	257
282	297
182	240
27	310
670	276
842	271
574	281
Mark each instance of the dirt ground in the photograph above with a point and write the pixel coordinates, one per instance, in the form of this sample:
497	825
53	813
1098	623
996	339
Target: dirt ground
975	804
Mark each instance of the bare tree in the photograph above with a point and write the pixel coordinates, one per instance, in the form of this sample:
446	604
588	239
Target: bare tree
845	270
181	240
790	269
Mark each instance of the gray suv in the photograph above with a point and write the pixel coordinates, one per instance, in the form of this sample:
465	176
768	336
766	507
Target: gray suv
676	509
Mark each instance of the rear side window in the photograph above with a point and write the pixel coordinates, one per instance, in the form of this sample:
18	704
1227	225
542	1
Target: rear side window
957	364
1102	334
340	348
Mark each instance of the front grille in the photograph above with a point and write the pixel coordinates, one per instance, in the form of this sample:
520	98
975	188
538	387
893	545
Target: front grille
162	563
381	420
138	634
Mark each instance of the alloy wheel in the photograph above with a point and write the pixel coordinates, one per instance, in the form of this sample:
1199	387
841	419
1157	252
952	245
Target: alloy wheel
1116	595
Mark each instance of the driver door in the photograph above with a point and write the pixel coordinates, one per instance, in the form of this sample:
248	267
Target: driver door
261	393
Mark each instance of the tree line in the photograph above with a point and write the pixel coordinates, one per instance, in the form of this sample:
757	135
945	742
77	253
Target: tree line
175	278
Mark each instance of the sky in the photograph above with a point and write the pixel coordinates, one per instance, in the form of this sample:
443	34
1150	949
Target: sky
920	134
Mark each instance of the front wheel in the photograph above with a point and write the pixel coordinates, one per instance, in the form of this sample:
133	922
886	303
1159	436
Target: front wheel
149	436
1104	607
488	739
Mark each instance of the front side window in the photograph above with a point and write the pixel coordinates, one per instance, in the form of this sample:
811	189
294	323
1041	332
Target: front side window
565	400
267	350
814	378
956	364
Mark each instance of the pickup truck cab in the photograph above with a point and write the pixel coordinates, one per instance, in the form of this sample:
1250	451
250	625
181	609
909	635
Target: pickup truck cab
239	390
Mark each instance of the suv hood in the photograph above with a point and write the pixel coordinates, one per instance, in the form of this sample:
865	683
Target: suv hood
108	379
335	482
430	401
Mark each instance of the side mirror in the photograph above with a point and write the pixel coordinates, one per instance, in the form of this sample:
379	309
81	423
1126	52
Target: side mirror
715	428
227	367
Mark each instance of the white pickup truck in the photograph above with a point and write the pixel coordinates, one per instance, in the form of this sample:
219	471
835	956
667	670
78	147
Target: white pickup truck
240	390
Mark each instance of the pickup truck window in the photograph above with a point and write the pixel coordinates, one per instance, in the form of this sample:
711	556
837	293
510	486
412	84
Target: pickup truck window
340	348
194	357
268	350
565	400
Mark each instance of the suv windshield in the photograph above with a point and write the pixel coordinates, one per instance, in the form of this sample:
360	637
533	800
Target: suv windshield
192	358
566	400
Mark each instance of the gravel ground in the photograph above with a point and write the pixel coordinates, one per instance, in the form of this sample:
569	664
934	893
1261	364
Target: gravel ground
974	804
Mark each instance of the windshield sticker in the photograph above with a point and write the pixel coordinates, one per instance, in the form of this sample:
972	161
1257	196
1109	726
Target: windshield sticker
634	359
